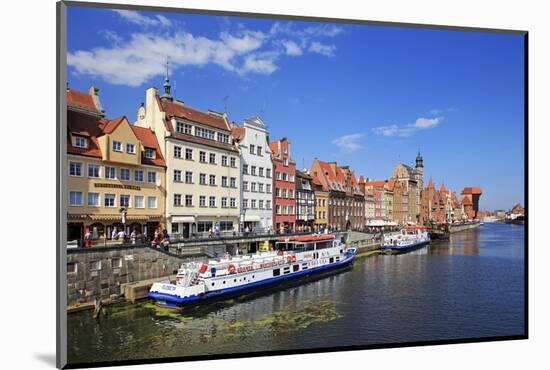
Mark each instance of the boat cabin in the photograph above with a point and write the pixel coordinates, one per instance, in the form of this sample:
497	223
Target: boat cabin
305	243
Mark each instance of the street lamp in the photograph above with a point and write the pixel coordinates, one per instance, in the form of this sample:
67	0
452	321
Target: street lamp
123	213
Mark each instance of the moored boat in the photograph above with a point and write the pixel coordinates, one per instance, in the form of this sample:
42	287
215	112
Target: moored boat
293	258
514	218
408	238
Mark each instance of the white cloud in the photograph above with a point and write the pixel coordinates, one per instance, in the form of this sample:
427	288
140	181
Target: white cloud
142	20
317	47
407	130
292	48
135	59
348	143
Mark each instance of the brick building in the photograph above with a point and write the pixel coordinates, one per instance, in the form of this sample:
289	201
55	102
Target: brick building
284	199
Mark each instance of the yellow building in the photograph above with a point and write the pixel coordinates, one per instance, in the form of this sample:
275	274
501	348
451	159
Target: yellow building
321	206
116	174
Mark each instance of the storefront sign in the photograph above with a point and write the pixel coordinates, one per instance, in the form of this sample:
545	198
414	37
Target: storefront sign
118	186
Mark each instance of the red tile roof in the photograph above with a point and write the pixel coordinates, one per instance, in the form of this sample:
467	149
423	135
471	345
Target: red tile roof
79	123
149	140
238	133
442	189
78	99
111	125
375	183
474	190
173	109
466	201
431	185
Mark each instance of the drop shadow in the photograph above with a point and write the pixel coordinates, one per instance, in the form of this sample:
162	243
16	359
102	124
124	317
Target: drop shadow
47	358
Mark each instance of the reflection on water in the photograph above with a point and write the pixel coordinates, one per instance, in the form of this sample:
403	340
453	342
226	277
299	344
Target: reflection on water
468	286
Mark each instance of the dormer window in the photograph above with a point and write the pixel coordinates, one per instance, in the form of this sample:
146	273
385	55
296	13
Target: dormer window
223	138
117	146
149	153
204	133
130	148
80	142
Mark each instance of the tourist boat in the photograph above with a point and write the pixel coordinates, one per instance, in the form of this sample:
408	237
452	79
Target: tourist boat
292	258
409	237
514	218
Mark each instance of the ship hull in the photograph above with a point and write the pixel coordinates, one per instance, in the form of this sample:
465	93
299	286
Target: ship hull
405	248
173	301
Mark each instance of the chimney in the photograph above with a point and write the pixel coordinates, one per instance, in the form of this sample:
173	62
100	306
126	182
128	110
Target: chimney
94	93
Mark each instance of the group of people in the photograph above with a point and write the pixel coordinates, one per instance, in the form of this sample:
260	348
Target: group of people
161	239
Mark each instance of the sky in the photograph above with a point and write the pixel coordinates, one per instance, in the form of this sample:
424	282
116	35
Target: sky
361	95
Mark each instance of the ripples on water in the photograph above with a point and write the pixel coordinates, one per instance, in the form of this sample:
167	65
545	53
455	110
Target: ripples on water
469	286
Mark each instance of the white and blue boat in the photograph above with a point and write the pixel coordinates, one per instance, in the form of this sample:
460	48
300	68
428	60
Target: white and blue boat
293	258
408	238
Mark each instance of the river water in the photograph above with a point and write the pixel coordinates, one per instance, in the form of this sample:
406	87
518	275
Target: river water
471	286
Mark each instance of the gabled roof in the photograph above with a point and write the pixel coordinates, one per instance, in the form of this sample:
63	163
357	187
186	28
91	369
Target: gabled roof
111	125
80	100
375	183
466	200
148	139
431	184
238	133
177	109
473	190
442	189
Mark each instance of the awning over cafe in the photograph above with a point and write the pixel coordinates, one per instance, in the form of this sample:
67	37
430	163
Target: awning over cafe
183	219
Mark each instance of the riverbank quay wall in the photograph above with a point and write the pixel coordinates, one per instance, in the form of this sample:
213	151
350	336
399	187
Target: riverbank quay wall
101	273
457	228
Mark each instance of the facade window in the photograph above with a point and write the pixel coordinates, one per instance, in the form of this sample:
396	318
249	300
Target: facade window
285	210
212	180
245	185
268	188
224	181
93	170
253	170
109	200
189	154
224	160
245	169
278	192
284	193
233	162
149	153
202	179
245	203
110	172
187	129
285	176
138	201
202	157
80	142
151	177
278	209
261	204
202	201
151	202
125	174
125	200
93	200
223	138
291	178
261	171
285	161
233	203
212	158
179	127
260	187
224	202
130	148
204	133
251	149
138	175
177	151
277	175
117	146
268	172
188	177
177	199
253	186
259	151
253	203
212	202
268	204
75	168
233	182
177	175
72	267
75	198
188	200
291	193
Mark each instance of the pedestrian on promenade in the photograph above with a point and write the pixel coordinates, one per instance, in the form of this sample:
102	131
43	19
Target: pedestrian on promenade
133	236
88	239
217	231
121	235
165	240
210	234
114	233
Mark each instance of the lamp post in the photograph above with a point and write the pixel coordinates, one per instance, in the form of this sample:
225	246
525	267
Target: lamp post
123	213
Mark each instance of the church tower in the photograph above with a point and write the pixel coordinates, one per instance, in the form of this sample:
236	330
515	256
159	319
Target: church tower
419	171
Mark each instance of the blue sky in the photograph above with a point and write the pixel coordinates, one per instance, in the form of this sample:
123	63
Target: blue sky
366	96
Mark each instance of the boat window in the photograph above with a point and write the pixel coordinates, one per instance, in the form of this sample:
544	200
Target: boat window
296	268
286	270
310	246
212	284
331	260
252	276
234	280
322	245
276	272
337	259
224	281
